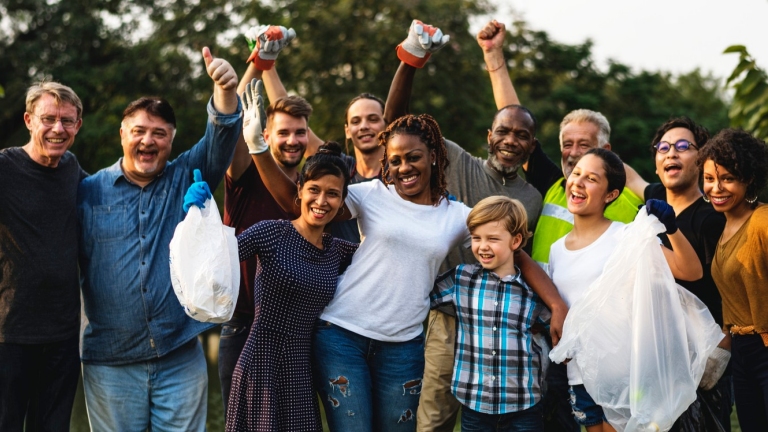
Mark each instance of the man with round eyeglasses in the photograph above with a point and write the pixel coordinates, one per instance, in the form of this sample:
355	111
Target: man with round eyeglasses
676	147
39	286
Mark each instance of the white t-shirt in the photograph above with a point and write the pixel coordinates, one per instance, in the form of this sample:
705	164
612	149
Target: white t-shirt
573	271
384	294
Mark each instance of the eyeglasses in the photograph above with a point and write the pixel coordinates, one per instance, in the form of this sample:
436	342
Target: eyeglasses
68	123
681	146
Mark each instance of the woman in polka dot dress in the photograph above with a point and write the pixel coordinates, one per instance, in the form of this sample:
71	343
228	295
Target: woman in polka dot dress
298	265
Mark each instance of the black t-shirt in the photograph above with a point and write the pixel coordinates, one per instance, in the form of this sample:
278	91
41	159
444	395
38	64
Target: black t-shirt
39	285
702	226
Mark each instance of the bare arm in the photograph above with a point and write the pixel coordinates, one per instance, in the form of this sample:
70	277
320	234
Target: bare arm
399	92
682	259
491	40
542	285
635	183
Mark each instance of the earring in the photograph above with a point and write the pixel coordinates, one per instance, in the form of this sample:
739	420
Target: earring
434	163
752	201
706	198
342	211
296	202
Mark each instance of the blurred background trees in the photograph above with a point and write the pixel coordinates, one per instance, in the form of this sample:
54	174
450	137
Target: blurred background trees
114	51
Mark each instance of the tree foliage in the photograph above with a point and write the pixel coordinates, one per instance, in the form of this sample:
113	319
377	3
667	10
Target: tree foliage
553	79
114	51
749	109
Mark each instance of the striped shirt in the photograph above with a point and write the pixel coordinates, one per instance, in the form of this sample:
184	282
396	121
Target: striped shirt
497	366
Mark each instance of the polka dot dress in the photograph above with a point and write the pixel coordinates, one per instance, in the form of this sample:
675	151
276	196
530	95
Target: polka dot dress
272	382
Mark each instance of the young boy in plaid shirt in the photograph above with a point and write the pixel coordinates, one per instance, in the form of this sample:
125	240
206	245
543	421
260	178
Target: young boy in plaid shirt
498	365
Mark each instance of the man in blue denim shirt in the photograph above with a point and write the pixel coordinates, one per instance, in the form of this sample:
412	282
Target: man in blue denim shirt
143	366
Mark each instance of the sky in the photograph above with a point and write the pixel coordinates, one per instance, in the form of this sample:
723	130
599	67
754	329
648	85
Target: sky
658	35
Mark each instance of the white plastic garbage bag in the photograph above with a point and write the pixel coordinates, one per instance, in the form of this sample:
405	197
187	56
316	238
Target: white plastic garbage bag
205	267
640	340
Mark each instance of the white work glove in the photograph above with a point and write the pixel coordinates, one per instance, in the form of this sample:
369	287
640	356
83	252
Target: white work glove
266	42
254	117
422	41
716	363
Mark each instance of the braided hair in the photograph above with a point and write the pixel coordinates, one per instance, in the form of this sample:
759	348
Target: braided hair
427	130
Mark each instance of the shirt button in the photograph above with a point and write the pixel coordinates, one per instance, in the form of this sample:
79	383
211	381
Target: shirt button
493	352
496	303
149	319
142	263
143	212
143	236
494	328
493	378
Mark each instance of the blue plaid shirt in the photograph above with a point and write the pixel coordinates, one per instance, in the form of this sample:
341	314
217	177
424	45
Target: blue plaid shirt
497	366
132	312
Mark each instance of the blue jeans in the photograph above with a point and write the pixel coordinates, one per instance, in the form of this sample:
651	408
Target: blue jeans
558	416
529	420
37	385
750	381
364	384
234	334
165	394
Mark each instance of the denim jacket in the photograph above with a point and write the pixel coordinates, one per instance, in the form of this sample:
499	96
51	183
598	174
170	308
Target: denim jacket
131	309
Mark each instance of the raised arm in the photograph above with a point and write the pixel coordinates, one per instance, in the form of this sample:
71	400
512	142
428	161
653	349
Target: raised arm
635	183
413	52
542	285
242	159
491	41
224	83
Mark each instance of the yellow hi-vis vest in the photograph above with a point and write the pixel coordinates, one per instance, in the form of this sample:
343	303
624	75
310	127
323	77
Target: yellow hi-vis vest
556	221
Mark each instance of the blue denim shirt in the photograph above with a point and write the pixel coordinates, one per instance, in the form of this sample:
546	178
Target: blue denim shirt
132	311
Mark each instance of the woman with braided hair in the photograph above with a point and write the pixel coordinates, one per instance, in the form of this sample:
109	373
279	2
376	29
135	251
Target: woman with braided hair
368	353
735	167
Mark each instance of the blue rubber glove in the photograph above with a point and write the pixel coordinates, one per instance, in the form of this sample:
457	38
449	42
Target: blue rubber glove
197	193
664	212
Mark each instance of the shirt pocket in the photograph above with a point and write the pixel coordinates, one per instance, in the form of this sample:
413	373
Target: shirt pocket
110	222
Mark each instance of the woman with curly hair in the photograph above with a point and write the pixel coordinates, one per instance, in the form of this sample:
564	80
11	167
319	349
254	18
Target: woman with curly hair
368	347
735	167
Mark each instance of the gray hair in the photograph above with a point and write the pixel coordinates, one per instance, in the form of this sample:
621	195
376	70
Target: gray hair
589	116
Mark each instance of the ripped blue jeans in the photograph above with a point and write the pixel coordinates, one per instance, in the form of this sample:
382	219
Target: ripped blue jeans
367	385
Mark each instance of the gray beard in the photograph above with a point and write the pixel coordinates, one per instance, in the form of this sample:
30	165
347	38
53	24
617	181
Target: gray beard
505	171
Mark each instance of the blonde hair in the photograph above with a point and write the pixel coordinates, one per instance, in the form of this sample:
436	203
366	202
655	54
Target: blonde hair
506	210
60	93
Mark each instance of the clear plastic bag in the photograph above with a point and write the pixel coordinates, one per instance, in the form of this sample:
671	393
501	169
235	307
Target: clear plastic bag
205	270
640	340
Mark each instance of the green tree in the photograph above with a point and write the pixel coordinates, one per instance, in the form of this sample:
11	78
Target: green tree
553	79
749	108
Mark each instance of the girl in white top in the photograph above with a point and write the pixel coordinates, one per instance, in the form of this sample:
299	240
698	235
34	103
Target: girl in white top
577	260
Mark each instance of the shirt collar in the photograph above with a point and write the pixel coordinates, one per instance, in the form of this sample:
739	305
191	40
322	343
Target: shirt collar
480	271
115	173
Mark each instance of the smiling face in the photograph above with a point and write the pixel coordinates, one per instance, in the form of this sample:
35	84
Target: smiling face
587	187
494	247
678	170
287	137
48	144
510	140
365	119
410	167
576	138
725	191
320	200
146	142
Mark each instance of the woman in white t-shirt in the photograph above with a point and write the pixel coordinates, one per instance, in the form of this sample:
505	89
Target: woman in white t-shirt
577	260
368	351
